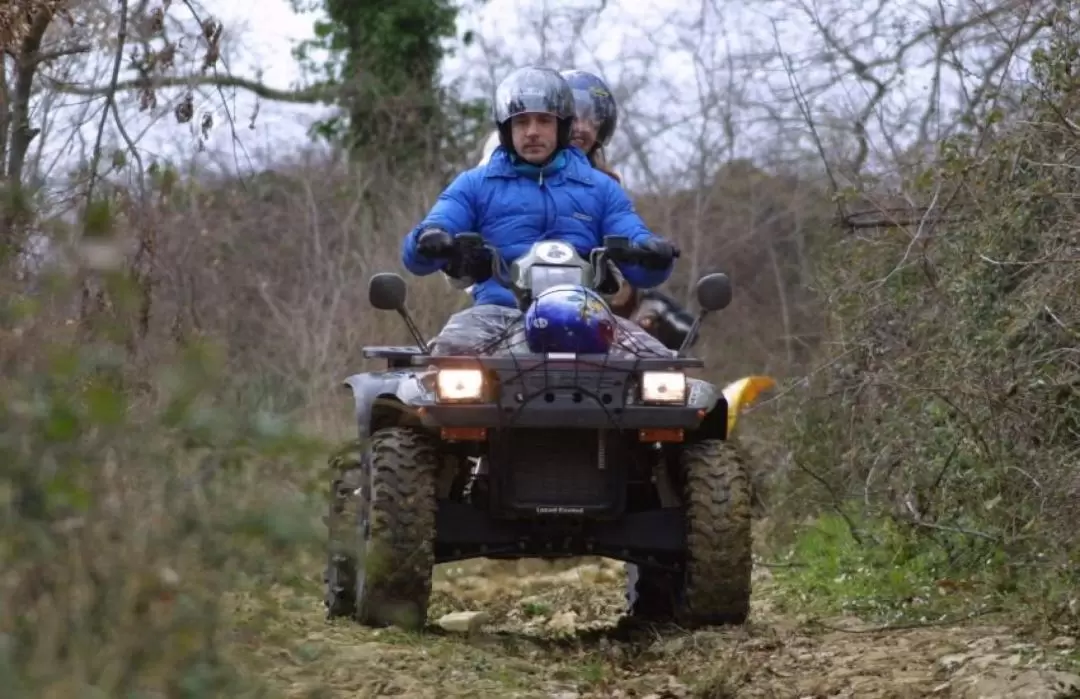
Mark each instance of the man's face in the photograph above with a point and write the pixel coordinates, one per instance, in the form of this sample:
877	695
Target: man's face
584	133
535	136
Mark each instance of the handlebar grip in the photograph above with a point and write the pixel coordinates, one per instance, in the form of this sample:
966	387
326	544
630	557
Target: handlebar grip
618	248
462	243
639	255
468	240
616	242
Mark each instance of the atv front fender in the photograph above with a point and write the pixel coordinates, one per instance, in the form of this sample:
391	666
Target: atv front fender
708	399
741	394
385	398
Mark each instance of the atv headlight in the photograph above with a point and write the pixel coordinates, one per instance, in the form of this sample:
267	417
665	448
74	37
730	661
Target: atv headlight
663	387
456	385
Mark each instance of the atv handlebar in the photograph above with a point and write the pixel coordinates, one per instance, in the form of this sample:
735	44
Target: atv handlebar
472	252
618	248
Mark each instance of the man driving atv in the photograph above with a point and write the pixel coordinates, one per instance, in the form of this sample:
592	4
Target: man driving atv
596	116
535	187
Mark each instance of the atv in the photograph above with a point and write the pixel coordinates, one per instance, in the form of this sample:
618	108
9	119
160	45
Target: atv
508	455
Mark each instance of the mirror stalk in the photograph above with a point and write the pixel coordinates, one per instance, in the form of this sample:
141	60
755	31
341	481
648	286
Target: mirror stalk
691	334
413	330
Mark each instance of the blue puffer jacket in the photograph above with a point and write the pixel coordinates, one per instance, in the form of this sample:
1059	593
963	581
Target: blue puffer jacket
514	205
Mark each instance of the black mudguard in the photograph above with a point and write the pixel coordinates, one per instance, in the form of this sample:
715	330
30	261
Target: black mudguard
705	396
381	398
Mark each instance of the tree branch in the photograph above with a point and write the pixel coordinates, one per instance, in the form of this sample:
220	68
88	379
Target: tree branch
308	95
110	102
19	117
39	57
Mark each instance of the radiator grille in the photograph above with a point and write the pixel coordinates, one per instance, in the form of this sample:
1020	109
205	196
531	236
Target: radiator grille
589	381
552	467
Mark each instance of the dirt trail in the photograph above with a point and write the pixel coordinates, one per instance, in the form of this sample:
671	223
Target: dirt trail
556	635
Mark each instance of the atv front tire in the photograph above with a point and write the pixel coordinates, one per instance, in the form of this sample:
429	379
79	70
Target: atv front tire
719	561
390	562
715	588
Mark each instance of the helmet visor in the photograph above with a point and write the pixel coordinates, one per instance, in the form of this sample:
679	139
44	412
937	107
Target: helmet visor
585	106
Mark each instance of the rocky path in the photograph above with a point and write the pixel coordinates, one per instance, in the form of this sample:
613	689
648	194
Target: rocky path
555	635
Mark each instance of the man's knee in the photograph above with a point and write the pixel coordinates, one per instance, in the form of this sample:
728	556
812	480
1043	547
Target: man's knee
663	318
474	329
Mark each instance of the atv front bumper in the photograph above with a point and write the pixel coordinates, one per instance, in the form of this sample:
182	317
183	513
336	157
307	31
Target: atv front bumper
585	414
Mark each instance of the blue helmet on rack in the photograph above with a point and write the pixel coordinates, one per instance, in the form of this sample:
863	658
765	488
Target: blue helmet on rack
569	318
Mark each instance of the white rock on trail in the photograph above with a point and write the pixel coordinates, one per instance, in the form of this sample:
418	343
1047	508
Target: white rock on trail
563	622
1063	642
463	622
1029	684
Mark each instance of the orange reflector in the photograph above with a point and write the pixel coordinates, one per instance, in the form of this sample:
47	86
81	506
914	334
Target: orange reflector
464	434
661	435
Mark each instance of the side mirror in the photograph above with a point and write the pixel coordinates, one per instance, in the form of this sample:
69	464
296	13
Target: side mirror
387	291
714	292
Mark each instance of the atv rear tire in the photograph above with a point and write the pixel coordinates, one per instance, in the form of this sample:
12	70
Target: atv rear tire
346	523
392	555
715	588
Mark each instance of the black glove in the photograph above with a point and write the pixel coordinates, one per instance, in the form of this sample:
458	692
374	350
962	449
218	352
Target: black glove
661	253
435	244
462	261
479	266
470	264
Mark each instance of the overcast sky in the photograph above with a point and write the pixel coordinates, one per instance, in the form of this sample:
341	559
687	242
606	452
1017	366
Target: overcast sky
262	34
661	40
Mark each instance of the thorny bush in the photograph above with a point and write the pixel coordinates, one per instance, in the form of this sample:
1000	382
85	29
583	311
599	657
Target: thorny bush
949	404
130	517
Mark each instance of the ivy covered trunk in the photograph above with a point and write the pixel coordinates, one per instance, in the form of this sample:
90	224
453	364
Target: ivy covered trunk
385	57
